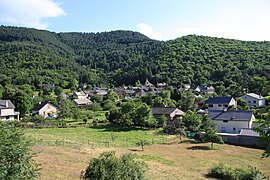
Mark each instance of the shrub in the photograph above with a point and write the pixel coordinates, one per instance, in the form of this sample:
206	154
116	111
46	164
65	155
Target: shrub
16	158
109	167
221	171
142	143
94	107
34	119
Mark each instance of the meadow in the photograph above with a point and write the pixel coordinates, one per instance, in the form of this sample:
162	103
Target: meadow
96	136
166	157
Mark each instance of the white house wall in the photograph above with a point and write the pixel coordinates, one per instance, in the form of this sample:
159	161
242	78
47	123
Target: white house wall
233	103
7	112
232	126
46	110
220	107
253	102
4	118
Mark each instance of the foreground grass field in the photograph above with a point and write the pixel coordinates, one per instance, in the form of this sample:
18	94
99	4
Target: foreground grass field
168	160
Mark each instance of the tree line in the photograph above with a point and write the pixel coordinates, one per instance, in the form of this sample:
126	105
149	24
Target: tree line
36	57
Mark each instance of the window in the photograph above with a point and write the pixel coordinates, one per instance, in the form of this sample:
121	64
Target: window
223	129
254	101
225	105
210	105
234	129
225	121
219	105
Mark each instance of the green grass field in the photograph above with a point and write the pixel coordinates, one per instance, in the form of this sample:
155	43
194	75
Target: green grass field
101	136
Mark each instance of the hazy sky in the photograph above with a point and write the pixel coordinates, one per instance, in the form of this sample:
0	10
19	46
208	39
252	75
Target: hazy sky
158	19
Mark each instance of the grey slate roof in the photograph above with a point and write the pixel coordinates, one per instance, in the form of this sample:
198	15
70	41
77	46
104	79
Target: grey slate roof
249	132
82	101
218	100
231	115
256	96
9	104
163	110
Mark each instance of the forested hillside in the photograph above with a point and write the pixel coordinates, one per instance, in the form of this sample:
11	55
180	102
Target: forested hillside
36	57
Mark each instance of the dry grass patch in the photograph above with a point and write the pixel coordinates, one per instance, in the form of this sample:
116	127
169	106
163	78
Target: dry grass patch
165	161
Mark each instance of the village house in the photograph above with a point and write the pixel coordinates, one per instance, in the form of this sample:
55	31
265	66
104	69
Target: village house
82	102
196	89
81	99
232	121
207	88
221	110
7	111
170	113
140	93
120	92
96	91
184	87
220	103
80	95
49	86
45	109
148	86
203	89
161	86
254	100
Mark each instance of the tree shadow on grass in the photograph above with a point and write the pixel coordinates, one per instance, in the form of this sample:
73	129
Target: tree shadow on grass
169	143
135	150
115	128
199	148
191	141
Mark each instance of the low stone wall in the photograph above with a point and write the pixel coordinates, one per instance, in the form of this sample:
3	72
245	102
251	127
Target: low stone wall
248	141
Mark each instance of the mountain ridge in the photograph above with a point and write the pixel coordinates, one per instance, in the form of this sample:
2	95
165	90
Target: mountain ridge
124	57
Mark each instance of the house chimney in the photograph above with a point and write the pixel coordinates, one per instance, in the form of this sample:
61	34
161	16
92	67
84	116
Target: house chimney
6	103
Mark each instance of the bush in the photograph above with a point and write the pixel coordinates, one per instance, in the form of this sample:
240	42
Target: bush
16	159
224	172
109	167
34	119
94	107
108	105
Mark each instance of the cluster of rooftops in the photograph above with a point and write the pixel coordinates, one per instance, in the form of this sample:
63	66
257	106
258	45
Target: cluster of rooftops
220	109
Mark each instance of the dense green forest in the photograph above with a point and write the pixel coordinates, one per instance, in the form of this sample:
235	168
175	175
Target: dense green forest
36	57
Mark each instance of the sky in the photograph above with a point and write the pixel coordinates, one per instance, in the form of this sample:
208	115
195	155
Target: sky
157	19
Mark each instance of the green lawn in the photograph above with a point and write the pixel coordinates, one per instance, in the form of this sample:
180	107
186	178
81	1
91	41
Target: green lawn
100	136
